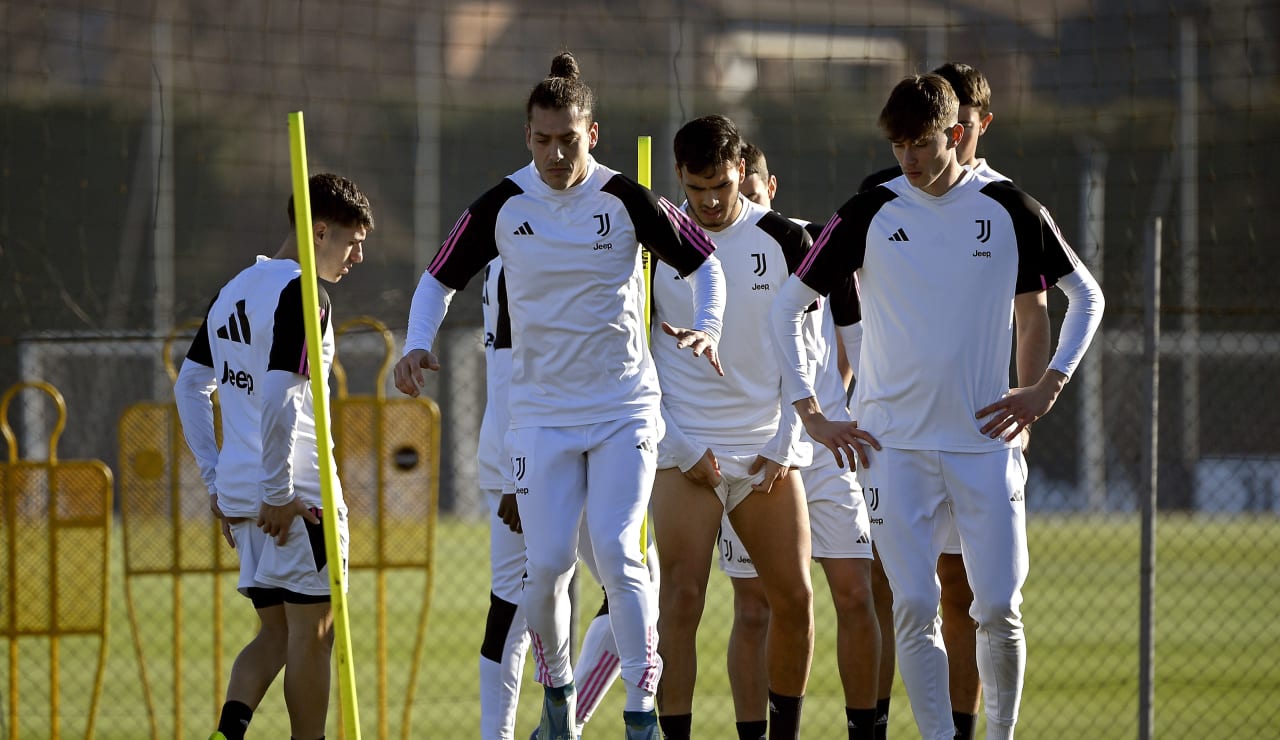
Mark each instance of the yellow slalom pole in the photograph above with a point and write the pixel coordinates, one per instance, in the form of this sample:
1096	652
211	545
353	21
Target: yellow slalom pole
320	399
644	175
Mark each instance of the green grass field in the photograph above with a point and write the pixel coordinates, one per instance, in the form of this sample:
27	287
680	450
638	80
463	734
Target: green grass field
1216	651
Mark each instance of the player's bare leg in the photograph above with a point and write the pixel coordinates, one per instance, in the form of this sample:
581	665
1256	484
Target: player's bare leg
747	662
774	527
857	637
959	633
254	669
686	516
882	595
306	673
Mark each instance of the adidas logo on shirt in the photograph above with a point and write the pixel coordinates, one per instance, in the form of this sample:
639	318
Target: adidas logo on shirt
899	236
524	230
237	326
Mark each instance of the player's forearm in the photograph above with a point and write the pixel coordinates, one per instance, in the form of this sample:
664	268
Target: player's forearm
283	395
1084	314
708	297
677	446
787	448
193	395
785	318
426	312
1031	314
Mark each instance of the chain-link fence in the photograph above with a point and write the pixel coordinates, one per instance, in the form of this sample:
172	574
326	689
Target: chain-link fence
144	160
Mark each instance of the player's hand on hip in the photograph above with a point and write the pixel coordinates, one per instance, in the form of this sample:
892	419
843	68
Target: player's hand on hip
705	472
224	524
509	512
699	341
408	371
275	521
1021	406
773	472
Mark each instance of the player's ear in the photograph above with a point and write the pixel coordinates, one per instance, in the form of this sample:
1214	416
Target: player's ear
957	133
318	230
986	121
593	135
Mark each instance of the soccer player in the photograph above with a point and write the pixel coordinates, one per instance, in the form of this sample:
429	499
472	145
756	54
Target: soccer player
974	94
942	260
584	393
728	447
840	532
506	639
264	483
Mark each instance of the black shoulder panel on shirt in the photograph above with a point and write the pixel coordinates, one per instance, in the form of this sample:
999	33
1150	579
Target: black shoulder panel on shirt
289	332
655	228
200	351
1043	254
789	235
841	251
879	177
471	243
502	332
815	229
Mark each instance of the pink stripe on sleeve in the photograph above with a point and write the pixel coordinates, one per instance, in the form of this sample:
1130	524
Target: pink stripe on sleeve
817	247
446	249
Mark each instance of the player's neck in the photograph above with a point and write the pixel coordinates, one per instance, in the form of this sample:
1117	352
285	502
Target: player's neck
288	249
947	180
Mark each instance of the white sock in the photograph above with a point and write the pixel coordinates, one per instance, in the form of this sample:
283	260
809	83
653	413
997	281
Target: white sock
598	667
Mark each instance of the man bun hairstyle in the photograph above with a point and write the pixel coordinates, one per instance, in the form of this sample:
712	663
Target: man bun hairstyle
337	200
563	89
970	86
919	106
706	143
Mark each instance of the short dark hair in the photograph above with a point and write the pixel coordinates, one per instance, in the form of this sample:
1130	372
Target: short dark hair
756	163
562	89
919	106
970	86
705	143
336	199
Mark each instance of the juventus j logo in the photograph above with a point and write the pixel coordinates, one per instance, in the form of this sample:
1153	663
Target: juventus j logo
984	229
517	464
602	224
760	263
872	495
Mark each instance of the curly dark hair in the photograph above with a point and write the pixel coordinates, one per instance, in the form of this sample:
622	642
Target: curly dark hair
336	199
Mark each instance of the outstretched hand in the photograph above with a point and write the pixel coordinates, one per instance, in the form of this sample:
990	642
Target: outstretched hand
699	341
408	371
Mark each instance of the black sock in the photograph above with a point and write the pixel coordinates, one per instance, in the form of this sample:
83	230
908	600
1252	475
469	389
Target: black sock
965	724
675	726
753	730
862	723
234	720
882	719
784	716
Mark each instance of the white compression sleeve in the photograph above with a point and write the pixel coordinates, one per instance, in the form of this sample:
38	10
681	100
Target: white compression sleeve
785	318
708	297
852	337
1084	314
430	303
193	393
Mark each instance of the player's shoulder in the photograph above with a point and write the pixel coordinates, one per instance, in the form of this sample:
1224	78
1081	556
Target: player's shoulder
1011	197
864	204
782	229
879	177
494	198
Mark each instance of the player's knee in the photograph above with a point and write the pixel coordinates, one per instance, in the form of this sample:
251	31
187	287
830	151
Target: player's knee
682	599
792	601
750	612
915	611
999	618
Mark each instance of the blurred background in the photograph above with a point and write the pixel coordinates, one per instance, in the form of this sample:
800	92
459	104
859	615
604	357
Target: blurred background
144	160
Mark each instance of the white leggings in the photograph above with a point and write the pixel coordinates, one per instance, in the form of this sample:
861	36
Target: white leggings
602	473
913	496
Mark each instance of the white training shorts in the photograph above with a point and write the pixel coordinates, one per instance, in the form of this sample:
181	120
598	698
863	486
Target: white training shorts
839	525
299	565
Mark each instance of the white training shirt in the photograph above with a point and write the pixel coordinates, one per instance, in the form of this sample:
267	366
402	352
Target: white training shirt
491	453
757	252
935	278
574	288
252	349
